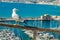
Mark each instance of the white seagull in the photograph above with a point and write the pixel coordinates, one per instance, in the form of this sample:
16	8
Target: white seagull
14	15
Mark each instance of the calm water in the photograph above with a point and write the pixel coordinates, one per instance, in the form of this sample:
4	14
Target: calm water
29	10
39	24
42	24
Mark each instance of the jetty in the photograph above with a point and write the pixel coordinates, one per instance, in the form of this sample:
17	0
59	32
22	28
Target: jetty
44	17
34	29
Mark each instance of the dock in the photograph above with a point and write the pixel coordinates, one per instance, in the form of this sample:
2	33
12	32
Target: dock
44	17
34	29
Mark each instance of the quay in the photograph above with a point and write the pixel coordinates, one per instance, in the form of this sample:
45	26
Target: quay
34	29
44	17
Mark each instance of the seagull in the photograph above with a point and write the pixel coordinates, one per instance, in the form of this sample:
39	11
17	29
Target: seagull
14	15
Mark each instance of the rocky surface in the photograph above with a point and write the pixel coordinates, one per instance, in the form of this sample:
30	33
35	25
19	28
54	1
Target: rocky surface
8	35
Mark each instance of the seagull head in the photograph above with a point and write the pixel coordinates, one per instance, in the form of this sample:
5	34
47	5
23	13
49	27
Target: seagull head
15	10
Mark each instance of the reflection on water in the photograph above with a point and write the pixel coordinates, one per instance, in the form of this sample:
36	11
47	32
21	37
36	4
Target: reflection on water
37	23
42	24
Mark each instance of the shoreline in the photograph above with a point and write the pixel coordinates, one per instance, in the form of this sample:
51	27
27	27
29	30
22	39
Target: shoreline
43	3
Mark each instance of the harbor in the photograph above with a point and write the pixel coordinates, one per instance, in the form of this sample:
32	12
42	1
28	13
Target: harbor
33	29
29	21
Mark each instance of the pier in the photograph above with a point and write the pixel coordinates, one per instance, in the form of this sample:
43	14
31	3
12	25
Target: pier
34	29
44	17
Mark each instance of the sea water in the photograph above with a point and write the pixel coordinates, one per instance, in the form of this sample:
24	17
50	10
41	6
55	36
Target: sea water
20	33
29	10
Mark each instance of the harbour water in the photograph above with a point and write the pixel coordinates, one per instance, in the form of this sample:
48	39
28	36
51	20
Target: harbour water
30	10
39	24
